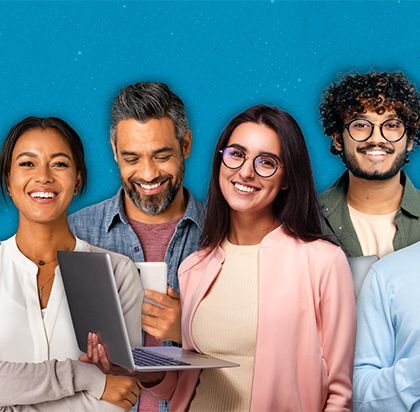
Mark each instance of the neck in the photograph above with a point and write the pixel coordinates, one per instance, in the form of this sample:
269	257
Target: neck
248	229
376	197
174	211
42	240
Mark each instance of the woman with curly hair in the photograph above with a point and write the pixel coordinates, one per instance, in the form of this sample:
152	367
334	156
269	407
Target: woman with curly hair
373	120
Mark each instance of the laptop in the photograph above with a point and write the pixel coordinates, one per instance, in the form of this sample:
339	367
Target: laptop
94	304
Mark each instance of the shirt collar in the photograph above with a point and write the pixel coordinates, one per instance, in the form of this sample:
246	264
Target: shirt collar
411	196
115	212
410	202
194	210
337	195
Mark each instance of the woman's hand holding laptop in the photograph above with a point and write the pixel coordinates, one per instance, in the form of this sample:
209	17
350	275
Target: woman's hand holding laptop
97	354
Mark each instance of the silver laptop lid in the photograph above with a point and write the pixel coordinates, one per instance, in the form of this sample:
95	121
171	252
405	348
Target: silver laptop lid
94	305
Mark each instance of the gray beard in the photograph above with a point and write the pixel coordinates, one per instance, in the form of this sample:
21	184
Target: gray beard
154	205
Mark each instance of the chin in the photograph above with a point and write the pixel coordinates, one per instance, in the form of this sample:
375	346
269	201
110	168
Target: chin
239	207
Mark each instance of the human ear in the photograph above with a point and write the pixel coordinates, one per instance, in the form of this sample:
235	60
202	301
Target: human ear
6	180
114	148
77	185
186	145
337	141
410	144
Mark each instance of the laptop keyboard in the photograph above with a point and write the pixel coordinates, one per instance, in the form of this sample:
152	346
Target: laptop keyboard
144	358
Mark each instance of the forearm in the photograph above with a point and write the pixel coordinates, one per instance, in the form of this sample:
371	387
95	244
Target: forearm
81	401
33	383
394	388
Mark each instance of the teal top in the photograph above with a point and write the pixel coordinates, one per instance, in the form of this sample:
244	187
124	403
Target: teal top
338	224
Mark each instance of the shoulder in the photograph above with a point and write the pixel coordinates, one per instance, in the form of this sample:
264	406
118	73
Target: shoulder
8	247
280	243
122	266
324	254
7	253
335	192
323	196
195	209
404	262
195	203
319	261
196	261
96	210
92	222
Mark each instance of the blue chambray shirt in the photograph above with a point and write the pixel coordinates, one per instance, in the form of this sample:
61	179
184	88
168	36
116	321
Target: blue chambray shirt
105	225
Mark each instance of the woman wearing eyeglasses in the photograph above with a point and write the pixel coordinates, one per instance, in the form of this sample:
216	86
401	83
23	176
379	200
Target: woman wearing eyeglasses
265	290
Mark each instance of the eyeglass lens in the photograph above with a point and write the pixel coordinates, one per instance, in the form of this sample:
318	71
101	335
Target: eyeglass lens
361	129
264	165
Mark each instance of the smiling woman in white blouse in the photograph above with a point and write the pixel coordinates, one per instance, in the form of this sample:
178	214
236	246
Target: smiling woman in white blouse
42	168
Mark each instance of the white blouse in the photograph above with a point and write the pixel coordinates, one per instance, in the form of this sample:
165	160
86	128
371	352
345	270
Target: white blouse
28	336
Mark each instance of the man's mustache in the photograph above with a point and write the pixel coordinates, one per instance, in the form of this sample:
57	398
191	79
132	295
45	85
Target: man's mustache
372	146
155	181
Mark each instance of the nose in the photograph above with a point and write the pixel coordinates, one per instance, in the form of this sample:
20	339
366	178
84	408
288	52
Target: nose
148	171
44	174
247	172
376	136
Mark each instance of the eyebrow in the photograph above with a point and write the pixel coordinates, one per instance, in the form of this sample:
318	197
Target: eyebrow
154	152
261	153
390	116
166	149
34	155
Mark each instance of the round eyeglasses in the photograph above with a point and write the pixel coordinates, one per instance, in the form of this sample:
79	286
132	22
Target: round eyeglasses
265	165
361	130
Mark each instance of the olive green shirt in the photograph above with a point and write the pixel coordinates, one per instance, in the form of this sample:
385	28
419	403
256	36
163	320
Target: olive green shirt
339	226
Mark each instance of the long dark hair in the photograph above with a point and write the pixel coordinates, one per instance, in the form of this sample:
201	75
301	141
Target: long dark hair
32	122
296	207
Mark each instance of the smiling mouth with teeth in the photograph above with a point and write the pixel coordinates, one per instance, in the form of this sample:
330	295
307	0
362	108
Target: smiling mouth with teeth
244	188
375	152
149	187
43	195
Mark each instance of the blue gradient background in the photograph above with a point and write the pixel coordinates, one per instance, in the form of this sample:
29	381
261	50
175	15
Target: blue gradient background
69	59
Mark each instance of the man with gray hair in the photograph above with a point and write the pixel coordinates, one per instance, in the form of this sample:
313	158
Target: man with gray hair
152	217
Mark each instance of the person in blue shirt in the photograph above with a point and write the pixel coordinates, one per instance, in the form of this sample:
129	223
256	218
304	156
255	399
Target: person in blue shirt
387	362
152	217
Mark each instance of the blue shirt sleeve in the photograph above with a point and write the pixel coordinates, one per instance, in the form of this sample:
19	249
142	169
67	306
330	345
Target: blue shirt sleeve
382	382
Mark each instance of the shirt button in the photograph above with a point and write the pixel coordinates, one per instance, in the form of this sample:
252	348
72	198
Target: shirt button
341	227
136	249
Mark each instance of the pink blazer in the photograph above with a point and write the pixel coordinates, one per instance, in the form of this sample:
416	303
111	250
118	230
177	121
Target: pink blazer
306	326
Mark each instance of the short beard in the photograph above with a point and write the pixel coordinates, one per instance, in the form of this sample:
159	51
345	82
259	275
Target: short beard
351	164
155	204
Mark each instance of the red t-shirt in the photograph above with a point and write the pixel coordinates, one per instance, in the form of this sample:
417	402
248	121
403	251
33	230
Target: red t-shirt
154	240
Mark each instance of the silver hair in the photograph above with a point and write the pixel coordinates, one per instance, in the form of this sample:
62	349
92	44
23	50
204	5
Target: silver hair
149	100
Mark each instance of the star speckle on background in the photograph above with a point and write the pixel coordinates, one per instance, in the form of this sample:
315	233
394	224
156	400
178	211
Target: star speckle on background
69	59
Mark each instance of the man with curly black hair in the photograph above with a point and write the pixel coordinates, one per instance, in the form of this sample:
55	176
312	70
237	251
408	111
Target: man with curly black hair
373	120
